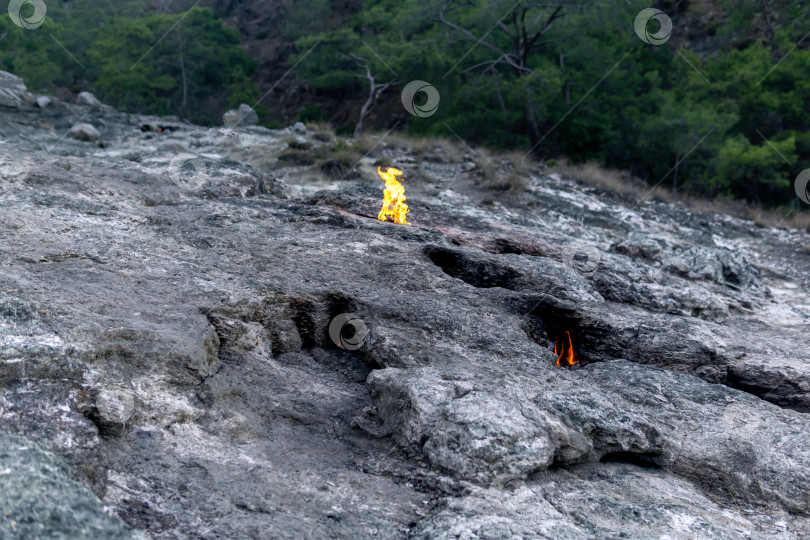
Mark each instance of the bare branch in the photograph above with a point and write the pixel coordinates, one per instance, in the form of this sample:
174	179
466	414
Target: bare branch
546	27
504	58
467	33
375	88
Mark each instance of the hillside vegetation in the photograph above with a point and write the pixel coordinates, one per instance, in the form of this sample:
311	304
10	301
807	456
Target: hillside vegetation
188	63
720	110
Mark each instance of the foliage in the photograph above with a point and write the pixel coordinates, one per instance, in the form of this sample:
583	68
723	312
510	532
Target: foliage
312	113
733	123
557	79
134	62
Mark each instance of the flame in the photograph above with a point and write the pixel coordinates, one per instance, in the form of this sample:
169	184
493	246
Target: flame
394	206
566	356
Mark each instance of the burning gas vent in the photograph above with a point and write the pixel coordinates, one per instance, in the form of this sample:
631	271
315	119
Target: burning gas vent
566	354
572	346
394	207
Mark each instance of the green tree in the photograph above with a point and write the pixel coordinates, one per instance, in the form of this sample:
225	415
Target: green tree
373	53
31	54
758	173
171	63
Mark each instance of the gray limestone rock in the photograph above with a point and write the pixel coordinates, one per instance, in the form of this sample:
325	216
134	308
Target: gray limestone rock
41	501
88	99
244	116
166	341
13	92
85	132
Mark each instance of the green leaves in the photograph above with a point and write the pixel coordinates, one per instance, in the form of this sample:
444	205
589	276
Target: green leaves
137	63
567	78
760	172
134	63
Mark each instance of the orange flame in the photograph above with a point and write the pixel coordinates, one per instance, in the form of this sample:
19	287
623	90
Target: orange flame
394	206
566	356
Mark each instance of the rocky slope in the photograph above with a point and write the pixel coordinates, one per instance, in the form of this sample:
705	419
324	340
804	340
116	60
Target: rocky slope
167	371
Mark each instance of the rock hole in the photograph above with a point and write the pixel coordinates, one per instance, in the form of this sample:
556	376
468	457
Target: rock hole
305	316
640	459
560	335
479	273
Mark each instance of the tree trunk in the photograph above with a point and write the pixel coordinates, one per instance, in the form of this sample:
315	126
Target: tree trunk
358	129
182	74
531	120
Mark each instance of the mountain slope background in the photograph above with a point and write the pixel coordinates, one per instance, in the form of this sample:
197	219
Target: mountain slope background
718	111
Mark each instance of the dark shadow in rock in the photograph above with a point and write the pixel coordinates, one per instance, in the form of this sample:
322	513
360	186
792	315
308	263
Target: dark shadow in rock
312	316
786	388
479	273
647	461
551	324
278	325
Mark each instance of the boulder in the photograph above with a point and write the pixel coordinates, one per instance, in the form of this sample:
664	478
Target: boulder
86	98
249	116
243	116
13	92
85	132
43	101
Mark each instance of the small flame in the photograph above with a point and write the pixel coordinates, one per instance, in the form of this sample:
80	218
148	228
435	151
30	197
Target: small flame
566	357
394	206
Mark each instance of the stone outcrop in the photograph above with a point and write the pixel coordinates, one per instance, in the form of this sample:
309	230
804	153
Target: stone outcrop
85	132
165	300
13	92
244	116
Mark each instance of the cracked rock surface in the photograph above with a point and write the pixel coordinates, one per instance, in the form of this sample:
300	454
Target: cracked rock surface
165	299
